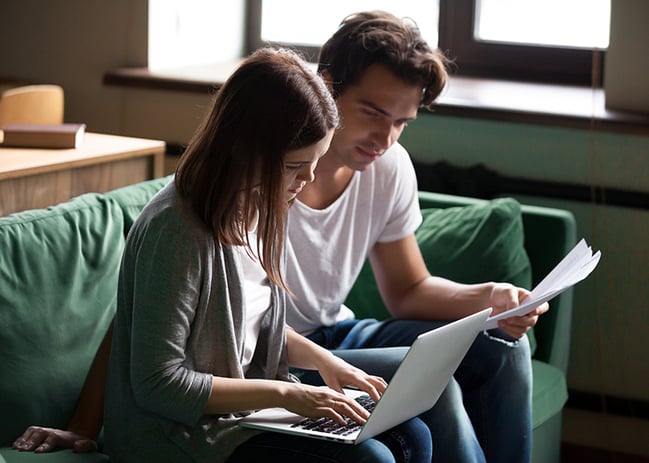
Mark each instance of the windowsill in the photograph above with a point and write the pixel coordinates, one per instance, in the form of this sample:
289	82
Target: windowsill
522	102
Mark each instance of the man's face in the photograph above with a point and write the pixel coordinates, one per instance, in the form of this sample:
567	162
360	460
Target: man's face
373	112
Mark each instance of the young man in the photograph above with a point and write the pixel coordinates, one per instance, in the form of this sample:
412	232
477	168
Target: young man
362	203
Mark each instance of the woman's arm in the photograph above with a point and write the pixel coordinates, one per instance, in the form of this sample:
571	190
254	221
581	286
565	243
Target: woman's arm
234	395
336	373
230	395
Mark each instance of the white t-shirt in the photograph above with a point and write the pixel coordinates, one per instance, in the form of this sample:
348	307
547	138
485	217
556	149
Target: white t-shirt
257	297
327	248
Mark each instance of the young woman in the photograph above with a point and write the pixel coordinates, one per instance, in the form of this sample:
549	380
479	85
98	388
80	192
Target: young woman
199	335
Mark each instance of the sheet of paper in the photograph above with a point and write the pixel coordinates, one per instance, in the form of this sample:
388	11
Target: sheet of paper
572	269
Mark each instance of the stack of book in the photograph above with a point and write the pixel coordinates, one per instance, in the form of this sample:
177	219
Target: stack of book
69	135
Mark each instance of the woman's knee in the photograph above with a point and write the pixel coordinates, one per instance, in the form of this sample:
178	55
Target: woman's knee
293	449
409	442
374	451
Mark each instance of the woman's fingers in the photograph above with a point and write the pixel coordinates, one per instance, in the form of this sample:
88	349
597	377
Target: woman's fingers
344	408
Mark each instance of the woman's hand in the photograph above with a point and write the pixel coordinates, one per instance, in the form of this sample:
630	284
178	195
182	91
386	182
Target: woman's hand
322	401
41	440
337	374
328	401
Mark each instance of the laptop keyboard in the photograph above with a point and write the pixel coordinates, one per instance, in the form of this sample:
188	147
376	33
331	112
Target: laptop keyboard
328	425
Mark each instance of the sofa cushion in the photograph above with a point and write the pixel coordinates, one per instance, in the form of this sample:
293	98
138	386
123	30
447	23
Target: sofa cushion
132	198
8	455
58	279
470	244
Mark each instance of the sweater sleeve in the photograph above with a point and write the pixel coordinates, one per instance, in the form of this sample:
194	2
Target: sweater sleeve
164	270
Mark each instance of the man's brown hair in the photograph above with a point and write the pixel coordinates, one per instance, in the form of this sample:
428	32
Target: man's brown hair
378	37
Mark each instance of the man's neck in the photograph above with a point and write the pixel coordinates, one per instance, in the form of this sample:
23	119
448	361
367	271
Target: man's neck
331	179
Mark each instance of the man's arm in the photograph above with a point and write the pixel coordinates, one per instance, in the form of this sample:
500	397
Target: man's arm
88	417
410	291
86	422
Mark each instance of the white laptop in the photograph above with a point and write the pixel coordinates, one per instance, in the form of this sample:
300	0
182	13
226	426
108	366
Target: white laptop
415	387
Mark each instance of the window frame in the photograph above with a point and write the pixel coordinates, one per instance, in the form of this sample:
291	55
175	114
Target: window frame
252	32
534	63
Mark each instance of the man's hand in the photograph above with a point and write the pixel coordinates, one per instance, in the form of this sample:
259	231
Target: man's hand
504	297
516	327
40	440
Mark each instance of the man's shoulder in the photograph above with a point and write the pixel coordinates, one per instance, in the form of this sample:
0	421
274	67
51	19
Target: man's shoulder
395	157
394	163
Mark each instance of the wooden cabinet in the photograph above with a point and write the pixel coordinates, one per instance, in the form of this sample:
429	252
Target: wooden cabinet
37	178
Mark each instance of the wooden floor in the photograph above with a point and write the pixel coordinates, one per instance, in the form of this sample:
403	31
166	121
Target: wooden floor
575	454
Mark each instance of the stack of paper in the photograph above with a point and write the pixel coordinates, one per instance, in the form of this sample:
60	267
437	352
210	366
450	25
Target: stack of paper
573	268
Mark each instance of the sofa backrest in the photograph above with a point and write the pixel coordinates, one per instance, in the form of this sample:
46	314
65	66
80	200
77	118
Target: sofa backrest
58	279
132	198
549	234
474	240
58	288
470	243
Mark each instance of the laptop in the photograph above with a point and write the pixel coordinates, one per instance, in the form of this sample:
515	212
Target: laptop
415	387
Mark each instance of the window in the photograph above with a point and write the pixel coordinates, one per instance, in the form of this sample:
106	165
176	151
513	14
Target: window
559	41
306	27
537	40
561	23
188	32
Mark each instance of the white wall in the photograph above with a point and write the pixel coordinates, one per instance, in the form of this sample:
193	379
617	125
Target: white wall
74	42
627	60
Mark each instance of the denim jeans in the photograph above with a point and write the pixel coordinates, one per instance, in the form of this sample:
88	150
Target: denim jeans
410	442
485	412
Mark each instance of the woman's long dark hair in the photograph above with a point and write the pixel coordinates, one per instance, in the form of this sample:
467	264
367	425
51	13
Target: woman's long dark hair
233	166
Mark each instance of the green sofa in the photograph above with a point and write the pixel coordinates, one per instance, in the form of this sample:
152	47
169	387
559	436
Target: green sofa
58	276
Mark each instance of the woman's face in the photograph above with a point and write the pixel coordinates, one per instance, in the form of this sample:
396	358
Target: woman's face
300	164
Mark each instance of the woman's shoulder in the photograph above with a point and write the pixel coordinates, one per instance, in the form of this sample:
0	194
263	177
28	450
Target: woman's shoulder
170	213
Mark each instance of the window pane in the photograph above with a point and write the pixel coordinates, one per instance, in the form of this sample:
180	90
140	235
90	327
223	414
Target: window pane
570	23
300	22
183	32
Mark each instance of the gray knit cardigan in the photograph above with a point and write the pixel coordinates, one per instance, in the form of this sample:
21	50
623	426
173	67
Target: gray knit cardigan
179	322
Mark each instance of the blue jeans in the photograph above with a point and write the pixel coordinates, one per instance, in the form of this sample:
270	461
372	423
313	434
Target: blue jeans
485	412
410	442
